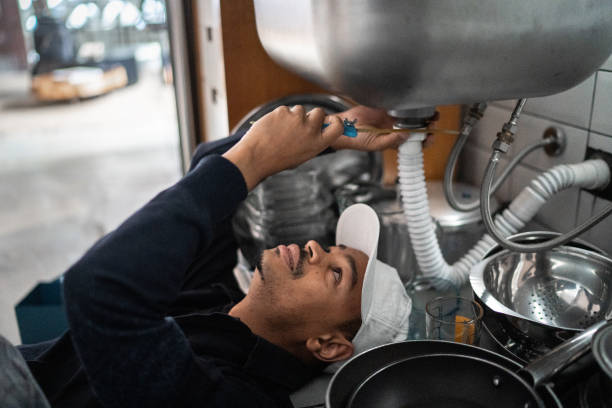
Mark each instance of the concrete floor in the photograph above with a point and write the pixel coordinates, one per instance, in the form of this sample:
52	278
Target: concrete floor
71	172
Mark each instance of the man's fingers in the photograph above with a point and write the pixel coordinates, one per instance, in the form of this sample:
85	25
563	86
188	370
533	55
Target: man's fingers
387	140
334	130
429	140
281	109
315	117
299	110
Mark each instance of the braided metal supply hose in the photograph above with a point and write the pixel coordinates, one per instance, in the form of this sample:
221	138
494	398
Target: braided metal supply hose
413	190
590	174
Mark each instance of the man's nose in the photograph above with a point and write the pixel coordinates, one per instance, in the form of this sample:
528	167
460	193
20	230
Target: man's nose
315	252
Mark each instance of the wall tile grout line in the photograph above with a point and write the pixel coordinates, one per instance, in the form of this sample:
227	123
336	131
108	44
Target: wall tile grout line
580	197
599	133
592	108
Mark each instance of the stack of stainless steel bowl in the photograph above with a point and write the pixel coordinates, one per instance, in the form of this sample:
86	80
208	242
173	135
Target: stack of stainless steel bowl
538	300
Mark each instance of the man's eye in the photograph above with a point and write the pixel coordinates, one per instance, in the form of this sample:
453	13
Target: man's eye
337	274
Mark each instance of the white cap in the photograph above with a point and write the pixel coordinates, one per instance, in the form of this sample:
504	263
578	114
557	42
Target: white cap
385	305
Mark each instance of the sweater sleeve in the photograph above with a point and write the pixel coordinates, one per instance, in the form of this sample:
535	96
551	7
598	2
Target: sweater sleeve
118	293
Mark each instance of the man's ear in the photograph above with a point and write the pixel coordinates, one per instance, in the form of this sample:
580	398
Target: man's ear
330	347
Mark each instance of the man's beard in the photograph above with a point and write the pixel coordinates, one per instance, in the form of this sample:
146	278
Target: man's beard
259	265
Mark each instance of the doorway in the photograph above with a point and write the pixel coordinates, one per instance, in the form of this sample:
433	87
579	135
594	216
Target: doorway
88	131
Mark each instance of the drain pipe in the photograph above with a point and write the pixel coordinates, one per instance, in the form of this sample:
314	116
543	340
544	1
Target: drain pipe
589	174
539	190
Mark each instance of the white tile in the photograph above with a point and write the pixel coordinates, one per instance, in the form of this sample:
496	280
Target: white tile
586	205
600	142
572	107
602	108
608	64
530	129
560	212
601	233
586	201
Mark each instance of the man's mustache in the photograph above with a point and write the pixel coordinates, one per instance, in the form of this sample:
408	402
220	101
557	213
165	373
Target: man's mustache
298	272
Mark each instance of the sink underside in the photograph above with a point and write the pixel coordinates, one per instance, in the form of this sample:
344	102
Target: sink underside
405	54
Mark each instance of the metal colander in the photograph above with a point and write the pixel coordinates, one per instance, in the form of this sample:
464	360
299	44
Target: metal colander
565	289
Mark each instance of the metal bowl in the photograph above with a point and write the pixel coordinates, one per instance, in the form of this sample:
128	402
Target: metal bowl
547	296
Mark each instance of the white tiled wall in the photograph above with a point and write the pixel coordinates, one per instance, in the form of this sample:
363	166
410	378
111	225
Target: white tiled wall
584	114
602	107
567	107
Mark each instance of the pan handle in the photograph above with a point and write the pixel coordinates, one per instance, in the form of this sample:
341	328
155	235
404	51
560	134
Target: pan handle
544	368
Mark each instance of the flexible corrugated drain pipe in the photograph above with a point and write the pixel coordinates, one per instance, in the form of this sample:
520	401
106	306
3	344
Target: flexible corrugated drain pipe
589	174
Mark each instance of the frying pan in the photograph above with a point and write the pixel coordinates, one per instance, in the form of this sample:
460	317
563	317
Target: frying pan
602	350
432	373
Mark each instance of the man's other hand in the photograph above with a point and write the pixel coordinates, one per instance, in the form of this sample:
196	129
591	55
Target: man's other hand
369	141
283	139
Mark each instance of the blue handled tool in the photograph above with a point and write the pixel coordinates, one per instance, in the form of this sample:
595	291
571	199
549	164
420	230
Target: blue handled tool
351	131
349	128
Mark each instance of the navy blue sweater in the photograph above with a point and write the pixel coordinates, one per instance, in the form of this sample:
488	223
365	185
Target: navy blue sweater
139	304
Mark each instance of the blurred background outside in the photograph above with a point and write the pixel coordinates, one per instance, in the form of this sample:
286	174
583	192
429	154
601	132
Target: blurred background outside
88	130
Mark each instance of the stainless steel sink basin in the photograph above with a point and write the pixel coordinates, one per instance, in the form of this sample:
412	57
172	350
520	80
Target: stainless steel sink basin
405	54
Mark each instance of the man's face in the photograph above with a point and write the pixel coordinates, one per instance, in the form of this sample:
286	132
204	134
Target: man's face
310	289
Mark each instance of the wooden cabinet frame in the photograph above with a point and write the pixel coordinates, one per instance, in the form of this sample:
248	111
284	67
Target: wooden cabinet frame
242	76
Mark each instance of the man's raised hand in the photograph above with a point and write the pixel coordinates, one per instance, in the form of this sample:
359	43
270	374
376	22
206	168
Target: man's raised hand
282	139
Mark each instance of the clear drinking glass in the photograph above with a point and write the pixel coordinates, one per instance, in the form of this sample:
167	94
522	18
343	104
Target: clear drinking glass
454	319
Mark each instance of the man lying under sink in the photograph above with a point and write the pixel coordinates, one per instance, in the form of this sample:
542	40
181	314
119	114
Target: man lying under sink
157	319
